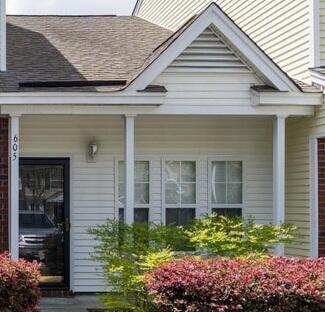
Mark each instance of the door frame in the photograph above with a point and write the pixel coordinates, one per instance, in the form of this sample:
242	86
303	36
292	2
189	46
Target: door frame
65	161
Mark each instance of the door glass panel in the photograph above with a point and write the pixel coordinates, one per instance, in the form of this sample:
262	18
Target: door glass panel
42	219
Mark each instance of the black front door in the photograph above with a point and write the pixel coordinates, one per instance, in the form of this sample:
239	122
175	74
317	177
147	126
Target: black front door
44	217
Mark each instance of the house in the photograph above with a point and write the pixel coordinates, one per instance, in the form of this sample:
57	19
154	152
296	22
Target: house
292	33
120	117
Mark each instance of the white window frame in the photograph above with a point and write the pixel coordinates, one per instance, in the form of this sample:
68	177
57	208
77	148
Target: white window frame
164	206
116	186
227	206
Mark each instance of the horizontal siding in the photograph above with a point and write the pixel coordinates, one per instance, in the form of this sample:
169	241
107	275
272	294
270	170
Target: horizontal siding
93	184
208	51
205	88
322	31
298	211
279	27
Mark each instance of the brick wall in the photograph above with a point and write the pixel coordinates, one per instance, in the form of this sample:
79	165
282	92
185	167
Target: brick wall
321	195
4	237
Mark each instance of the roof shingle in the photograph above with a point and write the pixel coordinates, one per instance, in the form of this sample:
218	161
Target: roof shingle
77	48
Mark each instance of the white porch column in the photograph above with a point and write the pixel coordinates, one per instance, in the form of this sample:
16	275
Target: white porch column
14	187
279	174
129	168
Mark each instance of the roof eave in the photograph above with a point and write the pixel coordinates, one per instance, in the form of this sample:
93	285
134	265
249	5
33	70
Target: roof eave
317	77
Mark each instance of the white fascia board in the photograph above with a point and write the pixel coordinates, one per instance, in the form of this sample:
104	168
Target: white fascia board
137	8
83	98
317	78
213	15
222	110
286	98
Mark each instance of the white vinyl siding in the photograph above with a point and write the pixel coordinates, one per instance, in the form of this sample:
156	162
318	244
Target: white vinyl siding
205	82
280	27
166	137
298	194
322	31
208	51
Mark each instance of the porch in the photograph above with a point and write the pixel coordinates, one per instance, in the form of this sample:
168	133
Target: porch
214	163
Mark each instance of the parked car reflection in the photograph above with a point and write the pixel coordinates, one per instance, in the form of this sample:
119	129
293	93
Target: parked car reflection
34	228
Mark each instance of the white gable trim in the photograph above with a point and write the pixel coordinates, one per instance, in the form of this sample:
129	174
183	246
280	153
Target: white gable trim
213	15
137	7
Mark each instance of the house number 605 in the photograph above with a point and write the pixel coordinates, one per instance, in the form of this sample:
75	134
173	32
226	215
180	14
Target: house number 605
14	147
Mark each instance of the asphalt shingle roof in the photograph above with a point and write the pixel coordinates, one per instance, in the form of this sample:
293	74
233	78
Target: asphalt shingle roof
83	48
77	48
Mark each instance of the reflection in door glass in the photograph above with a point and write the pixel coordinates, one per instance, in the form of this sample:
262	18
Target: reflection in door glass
41	219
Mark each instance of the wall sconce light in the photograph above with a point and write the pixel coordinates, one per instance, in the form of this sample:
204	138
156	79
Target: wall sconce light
92	151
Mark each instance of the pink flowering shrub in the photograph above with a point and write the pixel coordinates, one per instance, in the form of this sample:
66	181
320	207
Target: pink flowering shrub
19	280
267	284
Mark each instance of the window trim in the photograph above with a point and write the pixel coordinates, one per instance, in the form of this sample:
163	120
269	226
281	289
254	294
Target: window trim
116	186
227	206
164	206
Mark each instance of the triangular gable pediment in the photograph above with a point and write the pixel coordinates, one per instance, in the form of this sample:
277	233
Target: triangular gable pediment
214	42
209	52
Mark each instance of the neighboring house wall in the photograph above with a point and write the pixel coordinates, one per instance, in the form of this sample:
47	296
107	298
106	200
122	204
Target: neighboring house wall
322	31
280	28
4	238
93	185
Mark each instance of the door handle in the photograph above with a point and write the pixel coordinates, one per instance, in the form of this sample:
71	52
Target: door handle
67	225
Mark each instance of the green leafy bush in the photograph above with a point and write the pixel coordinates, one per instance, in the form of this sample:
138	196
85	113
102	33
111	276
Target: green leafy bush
235	237
127	252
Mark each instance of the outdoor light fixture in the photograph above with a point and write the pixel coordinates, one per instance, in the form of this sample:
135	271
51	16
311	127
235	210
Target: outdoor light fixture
92	151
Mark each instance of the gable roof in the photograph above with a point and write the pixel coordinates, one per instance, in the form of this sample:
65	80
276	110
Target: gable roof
238	39
94	53
77	48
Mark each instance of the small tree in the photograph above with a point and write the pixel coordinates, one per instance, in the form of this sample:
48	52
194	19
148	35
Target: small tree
235	237
127	252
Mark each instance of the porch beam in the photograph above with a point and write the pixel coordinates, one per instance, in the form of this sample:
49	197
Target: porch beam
129	168
279	174
14	187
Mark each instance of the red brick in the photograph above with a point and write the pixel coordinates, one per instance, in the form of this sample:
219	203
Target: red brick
321	196
57	293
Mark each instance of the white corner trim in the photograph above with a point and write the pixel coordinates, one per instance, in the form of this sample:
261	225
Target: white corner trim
314	33
286	98
3	36
313	189
213	15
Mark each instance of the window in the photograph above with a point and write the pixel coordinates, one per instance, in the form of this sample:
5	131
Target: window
227	187
141	190
180	191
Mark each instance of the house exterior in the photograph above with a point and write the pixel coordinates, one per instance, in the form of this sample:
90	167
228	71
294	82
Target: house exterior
136	121
292	33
